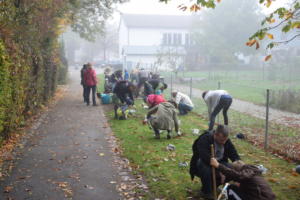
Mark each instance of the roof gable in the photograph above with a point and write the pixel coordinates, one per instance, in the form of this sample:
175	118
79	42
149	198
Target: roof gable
157	21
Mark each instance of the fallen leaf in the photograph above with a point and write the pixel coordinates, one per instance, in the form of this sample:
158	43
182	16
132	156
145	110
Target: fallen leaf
292	186
8	189
273	180
89	187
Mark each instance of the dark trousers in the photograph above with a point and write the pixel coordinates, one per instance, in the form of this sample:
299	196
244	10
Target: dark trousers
84	93
93	94
184	109
157	134
141	82
233	193
224	103
205	174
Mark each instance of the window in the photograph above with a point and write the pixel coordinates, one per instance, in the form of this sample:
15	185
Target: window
179	37
165	39
175	40
169	38
187	39
172	39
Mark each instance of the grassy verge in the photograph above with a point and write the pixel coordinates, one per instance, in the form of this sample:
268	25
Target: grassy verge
100	86
283	140
169	181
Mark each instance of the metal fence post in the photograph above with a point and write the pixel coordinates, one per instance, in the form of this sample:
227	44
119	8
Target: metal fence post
191	87
267	120
219	87
171	83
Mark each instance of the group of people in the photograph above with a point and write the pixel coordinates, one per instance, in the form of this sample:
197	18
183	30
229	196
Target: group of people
162	115
89	83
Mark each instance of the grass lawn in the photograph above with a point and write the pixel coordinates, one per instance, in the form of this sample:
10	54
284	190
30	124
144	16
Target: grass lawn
160	167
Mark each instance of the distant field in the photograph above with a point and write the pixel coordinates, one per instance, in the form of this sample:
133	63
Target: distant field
245	85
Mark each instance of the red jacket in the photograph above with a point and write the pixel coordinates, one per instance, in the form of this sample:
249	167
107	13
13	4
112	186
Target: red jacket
90	78
154	99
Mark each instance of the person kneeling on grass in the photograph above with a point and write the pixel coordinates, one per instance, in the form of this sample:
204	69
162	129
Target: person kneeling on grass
163	117
184	102
200	162
250	183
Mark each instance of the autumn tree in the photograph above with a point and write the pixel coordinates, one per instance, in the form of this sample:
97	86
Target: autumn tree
228	30
286	19
31	58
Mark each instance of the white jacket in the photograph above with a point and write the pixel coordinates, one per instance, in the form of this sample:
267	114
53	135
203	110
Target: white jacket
212	98
183	98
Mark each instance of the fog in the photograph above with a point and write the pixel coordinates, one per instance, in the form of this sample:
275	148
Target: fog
162	37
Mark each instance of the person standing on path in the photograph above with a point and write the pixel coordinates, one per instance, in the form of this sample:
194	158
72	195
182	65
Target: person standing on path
126	75
217	100
82	71
184	102
90	80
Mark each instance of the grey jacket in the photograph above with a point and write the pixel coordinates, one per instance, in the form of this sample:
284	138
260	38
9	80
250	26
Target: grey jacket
163	117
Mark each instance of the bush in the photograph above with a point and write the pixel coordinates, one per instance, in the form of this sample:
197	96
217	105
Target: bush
285	99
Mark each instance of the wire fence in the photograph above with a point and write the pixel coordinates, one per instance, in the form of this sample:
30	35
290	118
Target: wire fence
250	114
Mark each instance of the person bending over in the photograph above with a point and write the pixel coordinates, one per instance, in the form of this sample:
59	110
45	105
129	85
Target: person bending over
250	183
217	100
163	116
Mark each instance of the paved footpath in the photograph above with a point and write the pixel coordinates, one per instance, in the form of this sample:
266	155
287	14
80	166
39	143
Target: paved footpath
68	156
275	115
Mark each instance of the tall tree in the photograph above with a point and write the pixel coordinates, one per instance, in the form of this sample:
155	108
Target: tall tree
222	33
285	18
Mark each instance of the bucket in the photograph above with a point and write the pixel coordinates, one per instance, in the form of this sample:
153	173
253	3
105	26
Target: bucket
105	98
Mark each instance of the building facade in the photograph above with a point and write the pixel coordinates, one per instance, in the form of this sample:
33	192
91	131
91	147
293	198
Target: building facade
154	41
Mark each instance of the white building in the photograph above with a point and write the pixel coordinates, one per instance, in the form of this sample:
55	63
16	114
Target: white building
153	40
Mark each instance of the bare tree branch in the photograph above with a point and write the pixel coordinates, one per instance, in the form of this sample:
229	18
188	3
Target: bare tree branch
289	40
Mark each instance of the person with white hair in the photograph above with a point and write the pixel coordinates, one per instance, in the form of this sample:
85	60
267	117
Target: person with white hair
183	101
217	100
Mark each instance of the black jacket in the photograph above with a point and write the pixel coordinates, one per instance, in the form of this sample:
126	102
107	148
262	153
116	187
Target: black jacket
82	71
122	91
201	149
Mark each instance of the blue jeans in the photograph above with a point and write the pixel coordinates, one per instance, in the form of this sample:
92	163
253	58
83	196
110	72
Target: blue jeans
224	103
184	109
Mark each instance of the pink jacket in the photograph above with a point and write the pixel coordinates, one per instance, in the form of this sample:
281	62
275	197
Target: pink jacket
154	99
90	78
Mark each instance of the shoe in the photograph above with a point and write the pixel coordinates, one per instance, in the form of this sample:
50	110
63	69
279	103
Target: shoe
87	104
157	136
168	137
95	105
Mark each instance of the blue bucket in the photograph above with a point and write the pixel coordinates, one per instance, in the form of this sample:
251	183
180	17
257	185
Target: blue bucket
105	98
